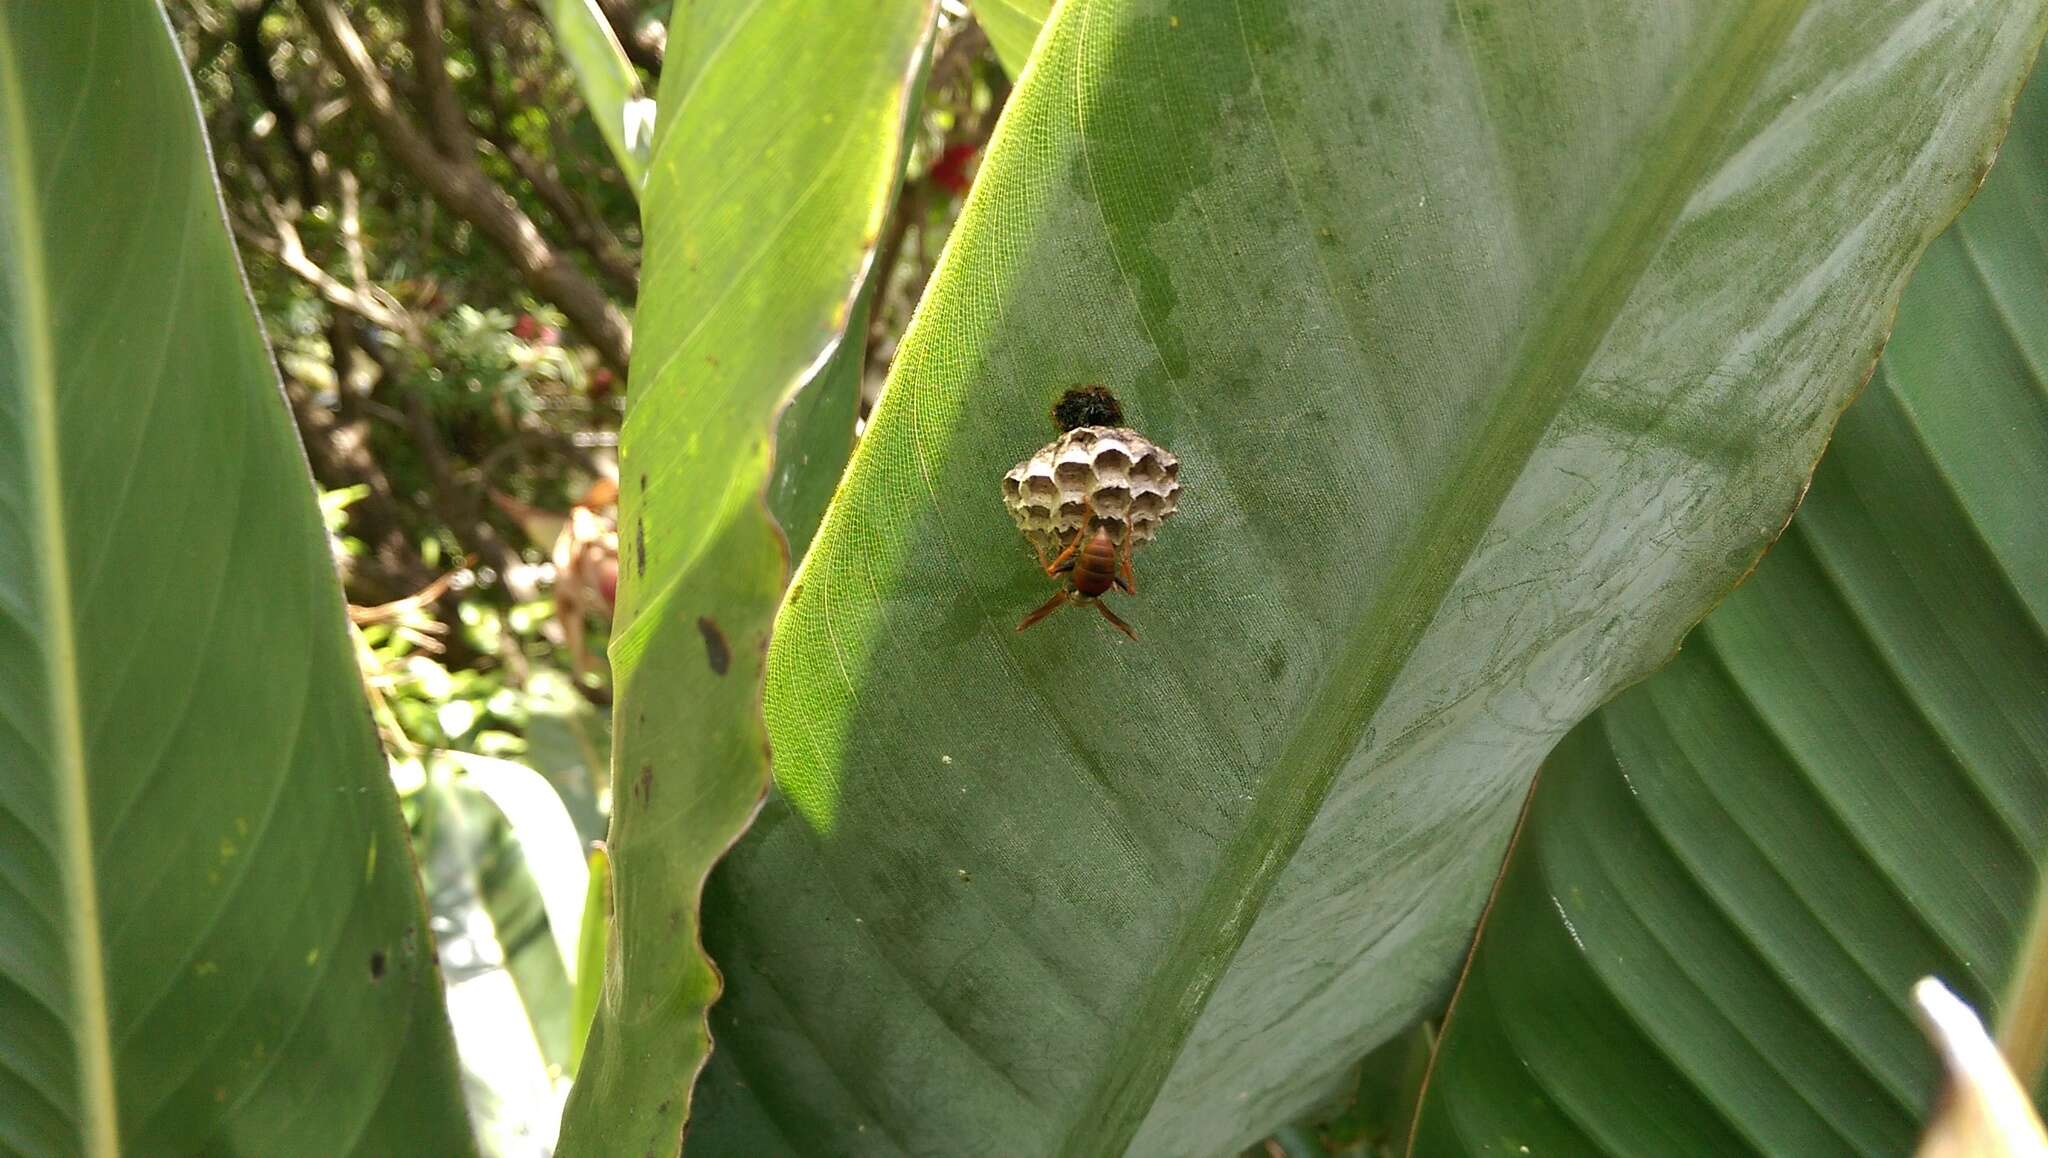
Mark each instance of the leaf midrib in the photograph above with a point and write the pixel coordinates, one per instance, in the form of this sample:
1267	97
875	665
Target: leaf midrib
91	1039
1127	1082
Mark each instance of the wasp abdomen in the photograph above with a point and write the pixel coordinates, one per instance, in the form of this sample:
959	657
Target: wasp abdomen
1095	564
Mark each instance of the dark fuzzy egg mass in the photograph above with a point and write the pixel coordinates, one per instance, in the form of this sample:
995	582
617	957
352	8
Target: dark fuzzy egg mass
1087	406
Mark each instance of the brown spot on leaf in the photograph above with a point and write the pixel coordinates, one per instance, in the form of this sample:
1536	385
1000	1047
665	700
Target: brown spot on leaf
643	784
716	650
639	548
377	965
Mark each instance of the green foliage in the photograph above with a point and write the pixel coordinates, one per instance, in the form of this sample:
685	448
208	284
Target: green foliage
611	89
461	385
1493	358
208	884
1013	27
590	952
751	282
1731	877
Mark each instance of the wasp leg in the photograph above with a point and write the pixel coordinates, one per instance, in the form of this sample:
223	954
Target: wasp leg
1047	608
1065	560
1119	624
1126	580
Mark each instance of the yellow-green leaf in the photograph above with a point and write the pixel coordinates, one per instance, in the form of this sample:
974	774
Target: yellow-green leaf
780	144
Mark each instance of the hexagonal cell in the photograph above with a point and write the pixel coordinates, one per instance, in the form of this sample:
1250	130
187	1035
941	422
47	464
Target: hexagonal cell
1112	499
1111	476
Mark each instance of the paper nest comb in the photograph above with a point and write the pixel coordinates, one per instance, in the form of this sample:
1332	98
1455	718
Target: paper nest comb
1112	474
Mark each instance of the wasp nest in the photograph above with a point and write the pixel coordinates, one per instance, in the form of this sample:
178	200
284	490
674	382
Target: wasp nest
1111	474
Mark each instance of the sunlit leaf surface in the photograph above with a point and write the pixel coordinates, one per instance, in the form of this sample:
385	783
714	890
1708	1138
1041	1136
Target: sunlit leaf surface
780	144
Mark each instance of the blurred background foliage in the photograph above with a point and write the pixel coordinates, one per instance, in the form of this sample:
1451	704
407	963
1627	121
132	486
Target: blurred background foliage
444	252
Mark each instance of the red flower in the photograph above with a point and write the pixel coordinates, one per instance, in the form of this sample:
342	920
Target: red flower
951	171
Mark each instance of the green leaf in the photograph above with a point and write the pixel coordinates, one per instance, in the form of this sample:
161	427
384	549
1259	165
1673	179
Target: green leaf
211	938
1492	352
1012	27
508	988
1375	1117
590	954
508	995
1731	877
611	89
569	742
814	439
504	840
752	276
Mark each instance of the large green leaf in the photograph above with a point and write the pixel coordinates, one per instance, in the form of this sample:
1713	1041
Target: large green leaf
1493	350
211	939
1731	877
780	143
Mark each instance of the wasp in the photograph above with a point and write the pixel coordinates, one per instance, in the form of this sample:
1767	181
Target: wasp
1092	564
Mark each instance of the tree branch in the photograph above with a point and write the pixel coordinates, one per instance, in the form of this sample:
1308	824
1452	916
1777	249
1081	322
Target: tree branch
606	251
290	252
460	184
530	439
248	37
584	227
425	30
